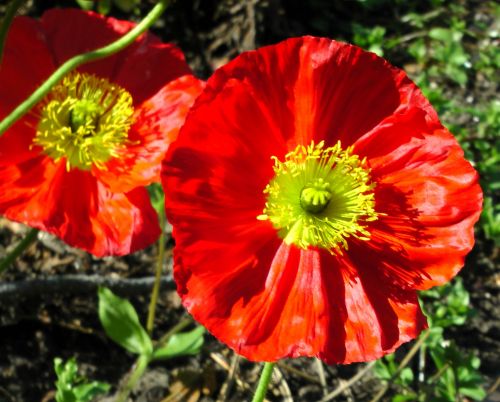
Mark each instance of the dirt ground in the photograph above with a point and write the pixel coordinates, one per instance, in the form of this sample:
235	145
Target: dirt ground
56	315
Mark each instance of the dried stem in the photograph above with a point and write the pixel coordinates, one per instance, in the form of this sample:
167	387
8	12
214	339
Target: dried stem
402	365
348	383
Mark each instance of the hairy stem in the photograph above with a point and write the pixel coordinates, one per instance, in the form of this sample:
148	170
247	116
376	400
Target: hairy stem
80	59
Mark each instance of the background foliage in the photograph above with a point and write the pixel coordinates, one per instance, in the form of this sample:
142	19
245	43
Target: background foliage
451	50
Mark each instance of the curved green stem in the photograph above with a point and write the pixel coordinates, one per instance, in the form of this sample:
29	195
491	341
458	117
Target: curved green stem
159	268
139	369
20	247
177	328
143	361
7	20
265	379
80	59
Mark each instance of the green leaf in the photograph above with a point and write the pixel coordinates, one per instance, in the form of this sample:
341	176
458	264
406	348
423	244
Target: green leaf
127	5
104	6
442	34
185	344
381	370
85	4
404	398
406	376
87	392
74	388
478	393
121	323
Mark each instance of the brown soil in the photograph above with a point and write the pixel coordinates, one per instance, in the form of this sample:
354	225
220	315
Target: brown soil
60	319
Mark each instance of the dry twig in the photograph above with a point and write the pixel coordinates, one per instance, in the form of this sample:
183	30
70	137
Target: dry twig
347	384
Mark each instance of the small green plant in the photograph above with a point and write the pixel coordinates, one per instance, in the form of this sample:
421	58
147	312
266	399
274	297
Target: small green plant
444	373
104	6
121	323
457	375
371	39
72	387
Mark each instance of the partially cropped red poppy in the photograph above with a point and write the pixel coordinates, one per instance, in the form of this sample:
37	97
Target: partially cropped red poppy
78	163
313	191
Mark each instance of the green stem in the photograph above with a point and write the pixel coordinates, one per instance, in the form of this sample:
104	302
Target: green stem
7	20
80	59
20	247
159	267
265	379
177	328
139	369
142	362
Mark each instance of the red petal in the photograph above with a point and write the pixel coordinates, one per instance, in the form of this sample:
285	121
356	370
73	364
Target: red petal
268	300
148	65
269	305
16	143
228	154
428	196
26	189
158	121
142	68
25	48
336	84
77	208
88	31
377	316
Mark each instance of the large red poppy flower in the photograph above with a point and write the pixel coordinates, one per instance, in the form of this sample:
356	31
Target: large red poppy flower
78	163
313	191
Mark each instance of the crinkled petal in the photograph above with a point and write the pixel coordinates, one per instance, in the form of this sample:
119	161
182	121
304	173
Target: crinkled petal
229	160
70	32
142	68
25	47
77	208
428	199
278	301
374	318
147	65
158	122
26	189
16	143
266	299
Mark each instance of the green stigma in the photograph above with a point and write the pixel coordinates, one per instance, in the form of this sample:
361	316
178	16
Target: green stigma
320	197
84	120
315	196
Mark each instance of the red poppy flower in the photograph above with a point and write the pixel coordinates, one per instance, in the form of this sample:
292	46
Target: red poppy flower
313	191
77	164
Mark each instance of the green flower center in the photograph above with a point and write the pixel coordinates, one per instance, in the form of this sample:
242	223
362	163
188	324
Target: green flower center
315	196
84	120
320	197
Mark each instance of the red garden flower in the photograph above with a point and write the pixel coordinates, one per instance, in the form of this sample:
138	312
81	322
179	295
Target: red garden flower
313	191
77	164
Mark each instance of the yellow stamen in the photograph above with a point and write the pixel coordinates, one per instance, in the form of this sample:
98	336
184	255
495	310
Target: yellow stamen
84	120
319	197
